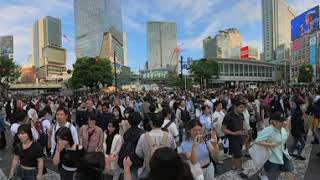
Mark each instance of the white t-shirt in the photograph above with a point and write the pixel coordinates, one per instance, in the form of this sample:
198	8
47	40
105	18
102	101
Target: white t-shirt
46	125
217	119
14	129
172	129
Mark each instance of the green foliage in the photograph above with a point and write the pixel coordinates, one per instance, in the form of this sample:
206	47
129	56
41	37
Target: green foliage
205	69
305	73
124	76
9	71
91	72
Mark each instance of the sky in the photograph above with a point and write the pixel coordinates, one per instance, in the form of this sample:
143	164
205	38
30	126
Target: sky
196	19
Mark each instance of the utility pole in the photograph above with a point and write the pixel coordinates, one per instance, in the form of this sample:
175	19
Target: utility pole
115	72
181	73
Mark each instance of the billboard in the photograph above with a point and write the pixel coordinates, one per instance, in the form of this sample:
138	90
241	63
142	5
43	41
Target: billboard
6	47
307	22
244	52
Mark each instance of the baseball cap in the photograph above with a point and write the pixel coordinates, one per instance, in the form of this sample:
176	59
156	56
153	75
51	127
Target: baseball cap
278	116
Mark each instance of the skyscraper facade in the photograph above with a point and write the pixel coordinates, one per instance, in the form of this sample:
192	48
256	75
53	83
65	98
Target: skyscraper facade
226	44
47	55
162	52
97	21
6	47
276	17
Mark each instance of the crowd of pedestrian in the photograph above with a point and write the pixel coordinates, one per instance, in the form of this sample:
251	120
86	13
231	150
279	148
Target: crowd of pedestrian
160	134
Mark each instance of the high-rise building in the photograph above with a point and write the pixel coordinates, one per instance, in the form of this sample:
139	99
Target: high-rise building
6	47
162	50
99	23
226	44
276	17
47	54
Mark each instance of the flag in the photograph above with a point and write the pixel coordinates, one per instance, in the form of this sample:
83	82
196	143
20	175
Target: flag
65	37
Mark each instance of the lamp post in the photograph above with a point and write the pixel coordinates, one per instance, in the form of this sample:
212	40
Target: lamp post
115	72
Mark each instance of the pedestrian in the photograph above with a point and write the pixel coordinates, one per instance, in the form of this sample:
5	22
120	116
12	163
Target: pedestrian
233	128
67	155
274	137
91	136
27	162
198	148
62	118
111	146
150	141
164	164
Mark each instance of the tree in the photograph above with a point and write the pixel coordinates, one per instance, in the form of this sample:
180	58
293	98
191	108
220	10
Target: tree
91	72
9	71
305	73
124	76
204	69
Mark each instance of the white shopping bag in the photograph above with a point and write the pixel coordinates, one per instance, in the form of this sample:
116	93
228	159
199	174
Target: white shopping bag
259	155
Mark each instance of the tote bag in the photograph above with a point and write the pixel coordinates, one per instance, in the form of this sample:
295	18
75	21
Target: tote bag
259	154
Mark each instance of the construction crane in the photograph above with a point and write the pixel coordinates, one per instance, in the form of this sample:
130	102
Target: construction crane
175	55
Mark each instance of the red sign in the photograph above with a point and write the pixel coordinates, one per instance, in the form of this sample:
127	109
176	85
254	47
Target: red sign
244	52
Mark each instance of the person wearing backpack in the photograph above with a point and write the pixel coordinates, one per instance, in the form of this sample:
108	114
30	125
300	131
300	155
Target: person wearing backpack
182	117
21	118
130	141
62	116
151	141
43	136
168	124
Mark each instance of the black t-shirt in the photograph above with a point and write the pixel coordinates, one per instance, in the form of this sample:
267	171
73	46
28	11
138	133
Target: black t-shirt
71	158
233	121
28	157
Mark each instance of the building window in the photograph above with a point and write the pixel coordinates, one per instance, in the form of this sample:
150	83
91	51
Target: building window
246	70
236	68
250	71
231	70
226	69
241	69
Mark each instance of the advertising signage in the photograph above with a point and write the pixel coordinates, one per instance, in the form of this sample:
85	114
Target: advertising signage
306	23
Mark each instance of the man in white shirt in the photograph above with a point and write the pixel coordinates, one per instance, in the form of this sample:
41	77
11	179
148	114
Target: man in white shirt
217	118
169	125
62	116
22	118
157	136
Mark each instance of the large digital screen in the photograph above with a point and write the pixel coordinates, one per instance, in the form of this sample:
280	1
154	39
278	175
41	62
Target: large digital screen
307	22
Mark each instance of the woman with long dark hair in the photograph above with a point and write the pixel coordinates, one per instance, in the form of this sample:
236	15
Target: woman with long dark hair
198	148
111	146
67	155
164	164
28	156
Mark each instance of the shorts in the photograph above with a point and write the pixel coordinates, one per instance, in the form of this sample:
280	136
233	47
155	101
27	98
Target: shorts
315	123
235	147
275	168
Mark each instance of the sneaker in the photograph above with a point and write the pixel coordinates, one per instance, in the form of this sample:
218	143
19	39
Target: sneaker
243	175
263	177
247	156
318	154
315	142
293	155
300	158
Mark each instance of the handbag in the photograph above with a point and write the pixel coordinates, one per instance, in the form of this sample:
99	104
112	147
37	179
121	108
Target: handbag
259	154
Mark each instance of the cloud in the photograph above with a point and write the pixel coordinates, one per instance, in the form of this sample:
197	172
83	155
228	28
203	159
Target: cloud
240	14
300	6
18	18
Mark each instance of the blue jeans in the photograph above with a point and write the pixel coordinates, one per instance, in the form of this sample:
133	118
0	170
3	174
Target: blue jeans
297	147
23	174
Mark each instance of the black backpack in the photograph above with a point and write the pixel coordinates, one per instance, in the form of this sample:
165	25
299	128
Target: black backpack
131	138
185	115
